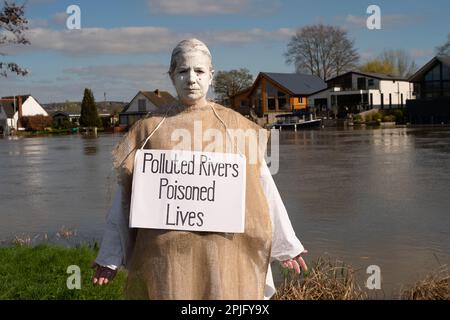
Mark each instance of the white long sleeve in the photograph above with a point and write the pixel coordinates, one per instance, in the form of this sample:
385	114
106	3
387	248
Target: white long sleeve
113	245
285	244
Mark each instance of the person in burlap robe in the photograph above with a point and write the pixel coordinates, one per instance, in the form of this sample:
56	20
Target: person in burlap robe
168	264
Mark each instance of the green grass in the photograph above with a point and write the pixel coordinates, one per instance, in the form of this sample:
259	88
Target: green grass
40	272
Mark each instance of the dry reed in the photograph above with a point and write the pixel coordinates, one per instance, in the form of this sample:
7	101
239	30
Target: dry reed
435	286
325	281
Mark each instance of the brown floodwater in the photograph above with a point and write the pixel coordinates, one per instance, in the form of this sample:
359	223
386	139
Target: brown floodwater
362	196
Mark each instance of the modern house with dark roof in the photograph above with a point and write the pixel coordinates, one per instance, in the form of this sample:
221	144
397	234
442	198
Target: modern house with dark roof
276	93
143	104
356	91
432	88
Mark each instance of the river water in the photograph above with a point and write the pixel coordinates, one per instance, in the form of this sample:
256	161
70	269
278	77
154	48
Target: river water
362	196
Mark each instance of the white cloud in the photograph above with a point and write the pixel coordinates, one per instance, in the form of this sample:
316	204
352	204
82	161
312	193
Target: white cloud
60	18
102	41
247	36
213	7
135	40
356	20
387	21
198	7
119	82
420	53
37	23
38	2
140	76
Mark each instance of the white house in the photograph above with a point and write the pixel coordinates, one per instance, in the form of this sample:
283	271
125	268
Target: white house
359	91
143	104
12	108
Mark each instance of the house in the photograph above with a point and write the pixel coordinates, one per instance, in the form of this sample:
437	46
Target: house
14	108
432	88
59	117
276	93
357	91
143	104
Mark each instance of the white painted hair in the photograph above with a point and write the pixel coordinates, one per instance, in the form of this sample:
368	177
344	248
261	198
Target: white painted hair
186	46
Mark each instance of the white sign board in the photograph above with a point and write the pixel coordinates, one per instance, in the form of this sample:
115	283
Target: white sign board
188	190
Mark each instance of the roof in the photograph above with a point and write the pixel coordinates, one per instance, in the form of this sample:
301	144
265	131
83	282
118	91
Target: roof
380	76
297	83
8	107
24	97
157	97
65	114
421	72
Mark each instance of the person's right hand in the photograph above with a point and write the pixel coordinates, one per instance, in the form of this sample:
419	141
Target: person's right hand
102	274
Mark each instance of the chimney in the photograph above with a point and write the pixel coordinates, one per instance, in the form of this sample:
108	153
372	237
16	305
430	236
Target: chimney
157	93
19	124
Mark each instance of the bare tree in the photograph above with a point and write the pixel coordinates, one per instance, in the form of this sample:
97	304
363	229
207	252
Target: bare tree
445	48
322	50
228	83
404	65
12	27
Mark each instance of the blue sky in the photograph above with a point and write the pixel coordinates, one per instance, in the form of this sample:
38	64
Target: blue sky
125	46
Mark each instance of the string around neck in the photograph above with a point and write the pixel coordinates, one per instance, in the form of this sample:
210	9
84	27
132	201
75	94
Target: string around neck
215	113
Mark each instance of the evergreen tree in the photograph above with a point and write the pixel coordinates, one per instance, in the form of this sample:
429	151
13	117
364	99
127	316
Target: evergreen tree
89	114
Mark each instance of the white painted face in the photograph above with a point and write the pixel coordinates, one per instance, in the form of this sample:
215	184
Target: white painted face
192	77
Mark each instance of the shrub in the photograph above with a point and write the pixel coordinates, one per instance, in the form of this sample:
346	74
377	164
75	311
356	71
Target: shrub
36	123
377	117
389	118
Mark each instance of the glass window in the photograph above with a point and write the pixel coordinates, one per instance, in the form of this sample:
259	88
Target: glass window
271	104
361	83
432	89
446	85
283	102
271	90
434	74
141	105
445	72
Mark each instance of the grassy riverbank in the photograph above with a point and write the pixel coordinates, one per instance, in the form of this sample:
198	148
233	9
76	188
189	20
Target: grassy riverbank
40	272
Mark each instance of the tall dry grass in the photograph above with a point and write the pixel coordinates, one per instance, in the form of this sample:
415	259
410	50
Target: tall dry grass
435	286
329	280
325	281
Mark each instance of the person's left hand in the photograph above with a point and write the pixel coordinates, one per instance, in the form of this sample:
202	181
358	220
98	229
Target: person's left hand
297	263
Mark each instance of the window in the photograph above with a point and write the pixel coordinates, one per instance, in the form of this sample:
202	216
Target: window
390	100
445	72
446	88
141	105
402	100
371	100
361	83
283	101
432	89
371	82
434	74
271	104
382	100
